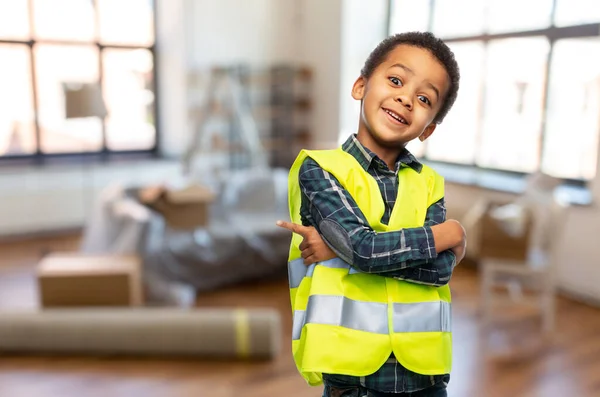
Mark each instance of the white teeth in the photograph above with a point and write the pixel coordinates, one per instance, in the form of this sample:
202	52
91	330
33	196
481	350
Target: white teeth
394	115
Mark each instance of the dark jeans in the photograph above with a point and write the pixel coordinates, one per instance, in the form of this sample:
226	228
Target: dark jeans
437	390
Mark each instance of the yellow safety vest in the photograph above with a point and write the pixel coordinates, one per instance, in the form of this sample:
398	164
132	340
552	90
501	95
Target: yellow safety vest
347	322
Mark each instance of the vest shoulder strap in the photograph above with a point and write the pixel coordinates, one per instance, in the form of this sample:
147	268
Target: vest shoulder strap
435	184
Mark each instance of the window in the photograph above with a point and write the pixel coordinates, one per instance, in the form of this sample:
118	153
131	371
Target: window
467	17
455	142
572	125
76	77
530	86
513	103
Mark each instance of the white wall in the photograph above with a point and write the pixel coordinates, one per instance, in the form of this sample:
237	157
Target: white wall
363	27
172	44
256	32
193	35
320	43
262	32
197	34
45	199
579	270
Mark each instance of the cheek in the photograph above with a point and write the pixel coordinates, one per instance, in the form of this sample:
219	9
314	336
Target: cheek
369	105
428	113
376	94
423	118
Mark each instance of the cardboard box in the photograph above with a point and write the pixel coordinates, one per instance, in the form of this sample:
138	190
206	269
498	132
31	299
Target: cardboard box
73	279
496	243
185	209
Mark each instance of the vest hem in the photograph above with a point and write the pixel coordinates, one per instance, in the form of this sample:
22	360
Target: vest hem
420	371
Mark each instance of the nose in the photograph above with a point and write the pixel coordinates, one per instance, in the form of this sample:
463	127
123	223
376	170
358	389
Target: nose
404	98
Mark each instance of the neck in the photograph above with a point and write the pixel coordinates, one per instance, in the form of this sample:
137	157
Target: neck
387	154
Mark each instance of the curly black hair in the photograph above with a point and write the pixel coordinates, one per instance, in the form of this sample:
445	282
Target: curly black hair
425	40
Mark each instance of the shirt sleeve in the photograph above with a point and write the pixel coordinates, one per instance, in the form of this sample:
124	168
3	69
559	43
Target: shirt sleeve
436	272
407	253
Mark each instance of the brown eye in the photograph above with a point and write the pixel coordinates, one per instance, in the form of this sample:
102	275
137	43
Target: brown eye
424	99
396	81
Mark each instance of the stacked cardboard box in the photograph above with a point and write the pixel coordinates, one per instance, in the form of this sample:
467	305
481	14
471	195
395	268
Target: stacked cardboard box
184	209
73	279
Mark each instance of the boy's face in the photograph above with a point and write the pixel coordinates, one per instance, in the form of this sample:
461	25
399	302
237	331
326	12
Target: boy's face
402	96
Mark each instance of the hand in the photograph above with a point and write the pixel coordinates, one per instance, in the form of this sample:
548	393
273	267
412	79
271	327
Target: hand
448	235
313	248
460	249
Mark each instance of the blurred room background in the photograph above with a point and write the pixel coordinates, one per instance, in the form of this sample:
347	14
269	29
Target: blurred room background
149	141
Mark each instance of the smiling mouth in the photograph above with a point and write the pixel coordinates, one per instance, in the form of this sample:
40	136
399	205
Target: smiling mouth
396	116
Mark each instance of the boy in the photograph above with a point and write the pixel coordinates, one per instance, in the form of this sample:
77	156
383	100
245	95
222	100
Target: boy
372	317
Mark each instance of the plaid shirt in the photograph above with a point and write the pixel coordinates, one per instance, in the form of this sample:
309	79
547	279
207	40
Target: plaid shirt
408	254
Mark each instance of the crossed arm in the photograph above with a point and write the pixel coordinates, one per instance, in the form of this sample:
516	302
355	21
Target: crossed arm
335	226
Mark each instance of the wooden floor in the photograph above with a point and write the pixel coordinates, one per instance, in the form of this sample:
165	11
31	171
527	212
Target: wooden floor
569	366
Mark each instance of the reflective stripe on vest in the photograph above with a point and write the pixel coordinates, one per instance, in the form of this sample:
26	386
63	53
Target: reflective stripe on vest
371	316
297	270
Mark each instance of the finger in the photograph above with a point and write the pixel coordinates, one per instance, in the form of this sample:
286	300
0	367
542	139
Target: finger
304	245
307	252
310	260
294	227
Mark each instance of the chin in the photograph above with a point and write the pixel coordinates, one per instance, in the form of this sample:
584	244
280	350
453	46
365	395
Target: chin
390	140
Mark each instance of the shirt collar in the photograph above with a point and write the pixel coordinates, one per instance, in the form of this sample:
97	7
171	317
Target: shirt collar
366	157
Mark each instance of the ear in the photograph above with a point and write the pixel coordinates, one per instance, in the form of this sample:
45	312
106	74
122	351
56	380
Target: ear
428	131
358	89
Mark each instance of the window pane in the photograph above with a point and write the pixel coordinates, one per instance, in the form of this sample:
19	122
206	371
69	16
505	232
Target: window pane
17	130
128	79
573	118
409	15
573	12
455	139
14	19
515	78
64	19
57	65
532	14
126	22
457	18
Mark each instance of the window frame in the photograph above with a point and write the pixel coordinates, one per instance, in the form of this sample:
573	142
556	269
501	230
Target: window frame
552	33
39	157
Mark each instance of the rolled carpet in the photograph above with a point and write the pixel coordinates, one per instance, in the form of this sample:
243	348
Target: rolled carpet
228	333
